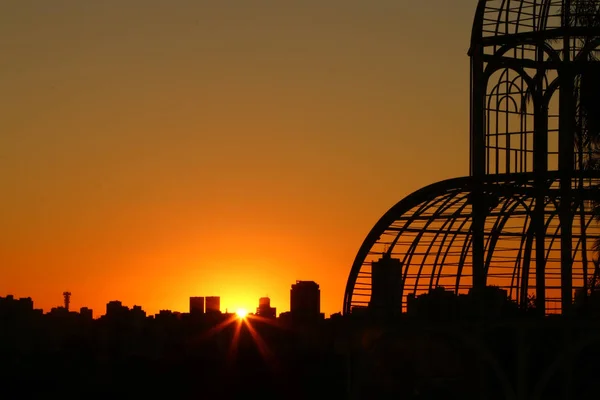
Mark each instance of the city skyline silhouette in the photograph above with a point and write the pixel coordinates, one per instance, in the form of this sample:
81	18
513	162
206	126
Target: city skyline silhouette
151	150
187	188
297	302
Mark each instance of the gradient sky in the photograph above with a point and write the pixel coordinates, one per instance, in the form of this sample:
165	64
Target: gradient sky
155	150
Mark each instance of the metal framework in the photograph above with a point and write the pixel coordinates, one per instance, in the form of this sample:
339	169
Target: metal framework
522	220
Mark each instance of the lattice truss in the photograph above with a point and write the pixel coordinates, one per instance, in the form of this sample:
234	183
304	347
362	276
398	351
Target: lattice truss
524	53
523	45
430	232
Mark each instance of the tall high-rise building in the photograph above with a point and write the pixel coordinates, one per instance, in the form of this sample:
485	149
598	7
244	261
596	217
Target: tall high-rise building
305	300
264	308
213	304
386	285
196	305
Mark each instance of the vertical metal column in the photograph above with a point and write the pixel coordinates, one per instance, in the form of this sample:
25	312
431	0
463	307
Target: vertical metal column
478	166
540	168
565	165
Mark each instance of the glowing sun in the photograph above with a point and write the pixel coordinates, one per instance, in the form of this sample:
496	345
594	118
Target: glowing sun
241	313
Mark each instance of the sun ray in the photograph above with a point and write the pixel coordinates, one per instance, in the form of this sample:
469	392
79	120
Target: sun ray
260	318
216	329
262	346
233	346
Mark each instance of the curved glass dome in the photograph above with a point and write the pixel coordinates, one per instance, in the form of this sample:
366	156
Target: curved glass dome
428	238
523	219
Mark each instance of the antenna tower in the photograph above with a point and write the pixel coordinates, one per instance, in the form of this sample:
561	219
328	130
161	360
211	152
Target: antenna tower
67	297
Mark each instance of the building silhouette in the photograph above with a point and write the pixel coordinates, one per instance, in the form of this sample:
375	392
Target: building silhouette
264	308
305	300
116	309
138	312
196	305
213	304
386	286
86	313
10	307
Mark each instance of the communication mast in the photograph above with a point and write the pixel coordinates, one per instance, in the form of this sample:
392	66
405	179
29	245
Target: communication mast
67	297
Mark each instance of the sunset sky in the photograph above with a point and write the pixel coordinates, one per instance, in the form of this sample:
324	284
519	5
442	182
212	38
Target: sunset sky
155	150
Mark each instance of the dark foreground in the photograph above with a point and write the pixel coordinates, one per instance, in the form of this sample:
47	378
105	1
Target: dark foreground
205	357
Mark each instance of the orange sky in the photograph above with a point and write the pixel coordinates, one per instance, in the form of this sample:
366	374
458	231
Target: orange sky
155	150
